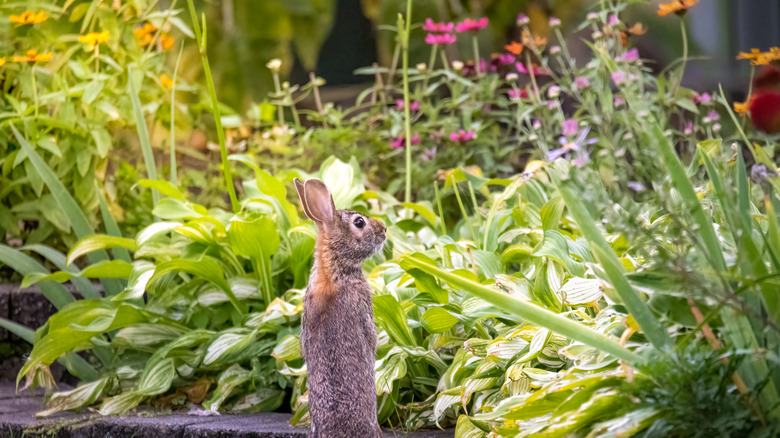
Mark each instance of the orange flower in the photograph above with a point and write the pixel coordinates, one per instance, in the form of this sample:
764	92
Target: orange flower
758	57
677	6
514	47
636	29
145	36
94	38
533	40
741	107
166	41
166	81
32	56
28	17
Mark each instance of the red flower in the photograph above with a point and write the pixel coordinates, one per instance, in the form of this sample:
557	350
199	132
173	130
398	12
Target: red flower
445	38
764	104
469	24
431	26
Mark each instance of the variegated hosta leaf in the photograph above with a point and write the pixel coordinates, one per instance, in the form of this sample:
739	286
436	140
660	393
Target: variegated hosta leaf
466	429
437	320
157	378
444	401
288	348
626	425
121	403
228	381
515	381
226	344
153	230
136	284
477	346
506	348
142	336
536	345
76	398
389	369
243	288
581	291
262	400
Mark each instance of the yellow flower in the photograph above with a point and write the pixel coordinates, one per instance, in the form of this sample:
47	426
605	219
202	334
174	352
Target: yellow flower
2	61
677	6
758	57
145	36
32	56
168	82
741	107
94	38
166	41
28	17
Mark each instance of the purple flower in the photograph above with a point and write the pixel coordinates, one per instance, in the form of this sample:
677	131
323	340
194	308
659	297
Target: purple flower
469	24
522	19
713	115
619	77
552	104
613	20
619	102
431	26
554	22
569	127
462	136
413	106
688	130
445	38
635	186
628	56
428	154
400	141
577	145
506	58
581	82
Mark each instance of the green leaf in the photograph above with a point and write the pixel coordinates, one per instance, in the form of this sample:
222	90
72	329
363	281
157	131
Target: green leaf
143	132
423	211
391	316
164	187
97	242
77	398
288	348
437	320
26	265
205	268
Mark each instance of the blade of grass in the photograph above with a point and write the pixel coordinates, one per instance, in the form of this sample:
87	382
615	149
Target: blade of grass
112	229
201	38
404	40
83	285
78	219
173	118
652	328
24	265
143	132
526	310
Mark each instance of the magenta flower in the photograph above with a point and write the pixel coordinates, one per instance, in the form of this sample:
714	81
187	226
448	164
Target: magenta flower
619	102
431	26
628	56
613	20
581	82
471	69
569	127
619	77
444	38
462	136
518	93
522	19
469	24
413	106
400	141
505	58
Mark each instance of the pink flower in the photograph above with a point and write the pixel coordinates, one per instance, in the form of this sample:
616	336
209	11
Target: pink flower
445	38
518	93
400	141
413	106
555	22
505	58
701	98
619	77
431	26
713	115
581	82
613	20
470	68
538	71
462	136
569	127
619	102
688	130
629	56
469	24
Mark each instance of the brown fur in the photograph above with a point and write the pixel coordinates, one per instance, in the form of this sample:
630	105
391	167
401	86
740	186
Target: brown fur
338	336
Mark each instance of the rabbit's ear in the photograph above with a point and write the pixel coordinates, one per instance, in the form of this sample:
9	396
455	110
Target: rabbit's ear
318	201
299	186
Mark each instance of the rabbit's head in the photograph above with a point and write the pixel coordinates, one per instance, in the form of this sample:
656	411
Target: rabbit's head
350	237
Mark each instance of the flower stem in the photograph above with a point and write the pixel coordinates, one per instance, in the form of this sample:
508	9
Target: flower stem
429	70
35	91
173	128
475	43
215	108
278	88
407	115
684	56
444	59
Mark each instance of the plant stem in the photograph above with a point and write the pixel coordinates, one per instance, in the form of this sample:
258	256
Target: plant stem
278	88
475	44
35	91
463	209
684	56
174	179
215	107
407	116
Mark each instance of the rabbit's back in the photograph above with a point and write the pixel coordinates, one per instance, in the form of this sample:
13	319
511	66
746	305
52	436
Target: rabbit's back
339	344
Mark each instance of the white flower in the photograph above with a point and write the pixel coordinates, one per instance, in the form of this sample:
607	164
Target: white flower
421	66
457	65
554	91
274	64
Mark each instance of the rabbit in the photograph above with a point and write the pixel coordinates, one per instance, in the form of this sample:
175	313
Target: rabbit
338	336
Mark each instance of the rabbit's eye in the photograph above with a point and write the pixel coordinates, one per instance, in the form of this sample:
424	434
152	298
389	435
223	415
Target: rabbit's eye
359	222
